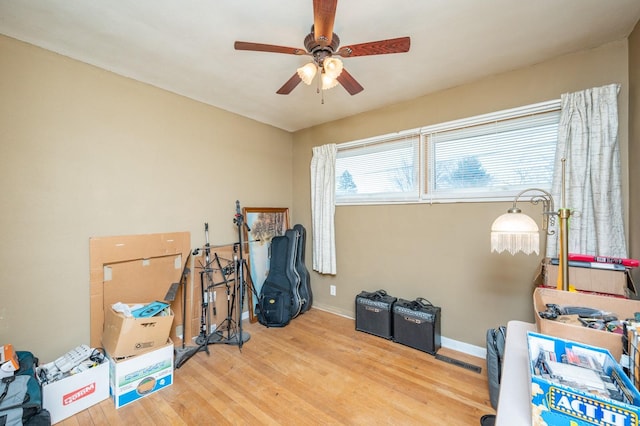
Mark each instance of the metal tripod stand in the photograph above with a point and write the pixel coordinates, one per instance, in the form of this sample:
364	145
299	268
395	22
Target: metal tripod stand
230	330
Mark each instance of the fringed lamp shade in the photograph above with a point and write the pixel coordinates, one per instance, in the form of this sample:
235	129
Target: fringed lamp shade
515	231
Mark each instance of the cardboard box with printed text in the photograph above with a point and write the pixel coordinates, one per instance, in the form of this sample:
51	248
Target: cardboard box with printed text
133	378
124	337
66	397
573	384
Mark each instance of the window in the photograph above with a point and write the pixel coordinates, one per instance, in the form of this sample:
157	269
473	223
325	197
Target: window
492	159
379	170
487	157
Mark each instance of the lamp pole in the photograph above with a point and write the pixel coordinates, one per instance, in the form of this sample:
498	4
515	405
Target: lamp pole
564	246
563	214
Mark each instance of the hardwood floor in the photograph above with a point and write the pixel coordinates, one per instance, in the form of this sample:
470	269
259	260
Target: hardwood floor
317	370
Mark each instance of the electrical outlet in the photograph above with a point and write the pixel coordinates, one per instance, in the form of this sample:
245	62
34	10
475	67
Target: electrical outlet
332	290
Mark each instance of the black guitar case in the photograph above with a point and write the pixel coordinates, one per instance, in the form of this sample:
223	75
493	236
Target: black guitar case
305	284
274	308
292	272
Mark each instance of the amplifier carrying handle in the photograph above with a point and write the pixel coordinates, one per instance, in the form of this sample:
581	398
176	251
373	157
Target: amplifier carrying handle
378	294
420	302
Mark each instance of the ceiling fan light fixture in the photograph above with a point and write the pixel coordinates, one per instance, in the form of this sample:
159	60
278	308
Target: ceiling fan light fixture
307	72
332	67
328	82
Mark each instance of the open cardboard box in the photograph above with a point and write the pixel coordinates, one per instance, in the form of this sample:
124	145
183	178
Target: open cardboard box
76	392
129	336
573	384
622	308
136	268
606	281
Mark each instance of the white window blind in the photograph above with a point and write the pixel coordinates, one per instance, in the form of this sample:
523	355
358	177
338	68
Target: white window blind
492	159
378	170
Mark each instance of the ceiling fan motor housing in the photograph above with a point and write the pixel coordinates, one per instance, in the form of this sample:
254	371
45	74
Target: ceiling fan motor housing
317	50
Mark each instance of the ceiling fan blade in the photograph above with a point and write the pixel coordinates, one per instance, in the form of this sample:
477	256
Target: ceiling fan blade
381	47
259	47
349	83
324	13
289	85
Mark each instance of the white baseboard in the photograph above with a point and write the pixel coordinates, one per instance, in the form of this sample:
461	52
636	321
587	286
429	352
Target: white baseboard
452	344
332	310
463	347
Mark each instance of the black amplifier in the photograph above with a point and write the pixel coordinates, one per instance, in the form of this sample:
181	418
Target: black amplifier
417	324
373	313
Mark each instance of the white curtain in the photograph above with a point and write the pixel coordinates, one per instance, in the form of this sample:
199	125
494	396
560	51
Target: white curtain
588	140
323	193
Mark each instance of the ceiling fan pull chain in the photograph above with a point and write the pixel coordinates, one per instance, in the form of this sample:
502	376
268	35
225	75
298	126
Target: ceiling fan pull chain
318	88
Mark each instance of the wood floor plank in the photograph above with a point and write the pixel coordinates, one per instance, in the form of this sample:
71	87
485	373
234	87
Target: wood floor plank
316	370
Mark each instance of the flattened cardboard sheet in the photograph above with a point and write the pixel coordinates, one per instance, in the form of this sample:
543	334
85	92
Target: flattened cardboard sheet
132	268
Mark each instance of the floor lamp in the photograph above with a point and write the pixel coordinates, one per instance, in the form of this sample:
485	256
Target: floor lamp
514	231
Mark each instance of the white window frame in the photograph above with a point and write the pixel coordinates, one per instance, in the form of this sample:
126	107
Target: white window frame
425	191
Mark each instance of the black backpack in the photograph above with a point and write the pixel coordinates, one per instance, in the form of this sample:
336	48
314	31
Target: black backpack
495	353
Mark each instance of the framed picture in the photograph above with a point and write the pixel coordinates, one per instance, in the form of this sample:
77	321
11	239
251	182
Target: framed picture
264	224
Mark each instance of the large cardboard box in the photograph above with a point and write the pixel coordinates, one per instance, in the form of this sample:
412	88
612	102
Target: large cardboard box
573	384
134	268
124	337
621	308
134	378
66	397
595	280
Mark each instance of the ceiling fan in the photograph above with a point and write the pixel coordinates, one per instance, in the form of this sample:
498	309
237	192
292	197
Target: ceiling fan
322	45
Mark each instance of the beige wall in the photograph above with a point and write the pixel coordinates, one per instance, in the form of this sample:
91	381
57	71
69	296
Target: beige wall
84	152
634	145
441	251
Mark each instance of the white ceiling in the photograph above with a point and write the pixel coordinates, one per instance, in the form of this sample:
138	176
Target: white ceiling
186	46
